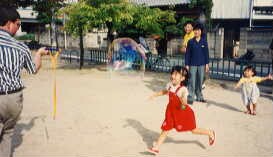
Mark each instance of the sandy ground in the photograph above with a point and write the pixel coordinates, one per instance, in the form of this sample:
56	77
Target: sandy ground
103	115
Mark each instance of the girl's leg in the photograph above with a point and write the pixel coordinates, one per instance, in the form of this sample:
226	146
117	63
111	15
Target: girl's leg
155	149
160	139
254	109
209	133
251	107
248	111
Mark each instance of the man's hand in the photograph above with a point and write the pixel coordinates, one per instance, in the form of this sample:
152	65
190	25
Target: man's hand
42	51
183	49
37	60
207	68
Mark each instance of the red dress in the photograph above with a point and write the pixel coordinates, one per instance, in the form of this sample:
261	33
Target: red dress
176	117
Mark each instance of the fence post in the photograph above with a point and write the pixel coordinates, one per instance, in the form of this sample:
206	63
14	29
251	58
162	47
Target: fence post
91	55
241	69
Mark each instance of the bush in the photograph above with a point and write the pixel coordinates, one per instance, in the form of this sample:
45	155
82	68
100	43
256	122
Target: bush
26	37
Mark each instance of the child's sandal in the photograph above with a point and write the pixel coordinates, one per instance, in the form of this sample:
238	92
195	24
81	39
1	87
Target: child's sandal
211	140
247	112
153	151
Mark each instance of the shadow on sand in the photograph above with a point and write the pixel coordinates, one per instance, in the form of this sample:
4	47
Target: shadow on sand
148	136
264	91
17	138
157	81
222	105
76	66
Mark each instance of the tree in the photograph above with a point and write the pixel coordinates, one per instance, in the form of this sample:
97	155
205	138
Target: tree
81	18
122	17
155	21
85	15
205	6
43	7
150	21
113	14
80	14
47	9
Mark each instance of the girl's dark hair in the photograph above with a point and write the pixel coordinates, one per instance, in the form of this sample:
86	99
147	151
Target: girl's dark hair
250	67
184	72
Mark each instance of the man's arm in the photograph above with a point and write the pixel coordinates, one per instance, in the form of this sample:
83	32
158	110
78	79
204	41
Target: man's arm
38	58
207	56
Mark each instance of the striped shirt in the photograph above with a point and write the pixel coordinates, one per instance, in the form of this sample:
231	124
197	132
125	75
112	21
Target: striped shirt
14	56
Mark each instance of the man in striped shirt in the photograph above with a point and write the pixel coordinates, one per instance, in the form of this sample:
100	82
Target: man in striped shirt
14	56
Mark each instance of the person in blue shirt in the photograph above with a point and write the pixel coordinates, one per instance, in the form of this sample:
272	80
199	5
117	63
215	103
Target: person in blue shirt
196	61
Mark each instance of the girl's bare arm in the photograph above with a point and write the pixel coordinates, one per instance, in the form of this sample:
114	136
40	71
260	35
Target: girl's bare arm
160	93
269	77
238	84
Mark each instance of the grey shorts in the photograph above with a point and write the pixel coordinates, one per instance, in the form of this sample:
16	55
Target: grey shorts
250	96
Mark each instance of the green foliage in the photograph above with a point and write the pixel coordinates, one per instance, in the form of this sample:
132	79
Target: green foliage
115	15
121	16
80	15
98	3
174	30
26	37
205	5
46	9
183	20
148	21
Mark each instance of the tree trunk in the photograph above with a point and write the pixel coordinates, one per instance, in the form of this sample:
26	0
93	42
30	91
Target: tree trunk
56	36
110	36
162	47
39	32
81	47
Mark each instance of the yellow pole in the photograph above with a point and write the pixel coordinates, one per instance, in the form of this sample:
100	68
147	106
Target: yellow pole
54	96
53	66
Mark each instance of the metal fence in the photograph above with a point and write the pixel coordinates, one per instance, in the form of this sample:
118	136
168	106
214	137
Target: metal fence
227	69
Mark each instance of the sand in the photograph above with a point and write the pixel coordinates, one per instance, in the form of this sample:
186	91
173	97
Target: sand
99	114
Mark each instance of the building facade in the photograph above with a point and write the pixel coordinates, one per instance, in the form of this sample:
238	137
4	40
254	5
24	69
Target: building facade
245	23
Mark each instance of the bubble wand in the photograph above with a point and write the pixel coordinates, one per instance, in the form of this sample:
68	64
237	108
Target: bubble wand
54	53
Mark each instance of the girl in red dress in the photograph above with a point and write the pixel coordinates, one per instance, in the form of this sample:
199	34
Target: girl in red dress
178	114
